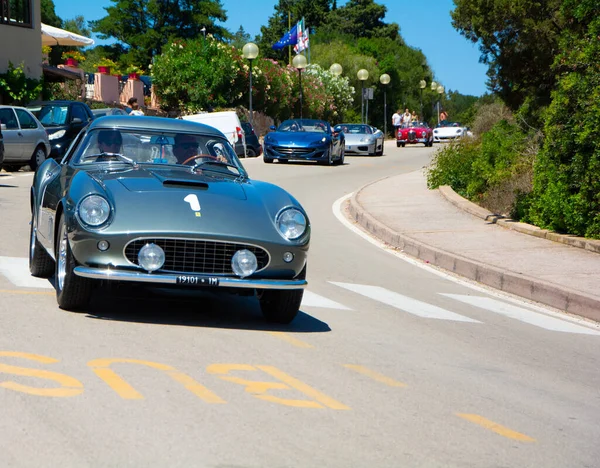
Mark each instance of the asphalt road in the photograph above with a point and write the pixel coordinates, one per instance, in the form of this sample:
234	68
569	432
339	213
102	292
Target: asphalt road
389	364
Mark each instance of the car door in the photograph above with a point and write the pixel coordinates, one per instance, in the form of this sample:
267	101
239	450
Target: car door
13	149
29	131
336	142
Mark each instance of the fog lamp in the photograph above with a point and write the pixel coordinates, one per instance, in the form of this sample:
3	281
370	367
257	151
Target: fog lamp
103	245
288	257
151	257
244	263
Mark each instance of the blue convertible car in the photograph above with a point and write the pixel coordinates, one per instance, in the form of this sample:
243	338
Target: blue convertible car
304	139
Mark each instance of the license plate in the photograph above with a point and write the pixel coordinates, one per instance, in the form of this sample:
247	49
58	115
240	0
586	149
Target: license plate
191	280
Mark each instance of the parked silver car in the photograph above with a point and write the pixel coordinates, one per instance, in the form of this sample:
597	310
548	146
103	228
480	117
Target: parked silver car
25	139
361	139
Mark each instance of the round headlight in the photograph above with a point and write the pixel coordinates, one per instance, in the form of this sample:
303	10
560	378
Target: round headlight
291	223
244	263
151	257
94	210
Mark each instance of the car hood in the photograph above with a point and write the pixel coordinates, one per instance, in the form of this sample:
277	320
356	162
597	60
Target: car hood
448	130
299	139
178	202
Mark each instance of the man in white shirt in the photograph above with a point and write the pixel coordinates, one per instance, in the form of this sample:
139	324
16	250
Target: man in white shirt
396	121
406	117
135	108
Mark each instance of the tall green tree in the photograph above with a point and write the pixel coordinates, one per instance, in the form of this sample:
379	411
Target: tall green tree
518	40
145	26
240	38
361	18
78	26
49	15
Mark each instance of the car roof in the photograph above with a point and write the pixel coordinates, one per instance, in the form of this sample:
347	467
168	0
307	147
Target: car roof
57	102
140	122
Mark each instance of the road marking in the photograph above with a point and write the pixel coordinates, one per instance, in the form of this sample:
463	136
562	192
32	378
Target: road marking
405	303
524	315
311	299
495	427
375	375
69	386
290	339
101	368
17	291
16	269
259	388
338	212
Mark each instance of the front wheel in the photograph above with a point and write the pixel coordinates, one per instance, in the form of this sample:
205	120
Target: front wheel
280	306
72	291
267	160
41	264
250	153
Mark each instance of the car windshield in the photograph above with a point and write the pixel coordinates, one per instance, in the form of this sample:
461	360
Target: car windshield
51	115
110	146
304	125
414	124
449	124
356	128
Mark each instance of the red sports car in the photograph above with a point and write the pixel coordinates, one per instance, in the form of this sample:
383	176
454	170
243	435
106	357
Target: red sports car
414	132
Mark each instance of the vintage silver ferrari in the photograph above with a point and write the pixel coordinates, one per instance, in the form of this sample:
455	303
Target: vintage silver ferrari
167	203
362	139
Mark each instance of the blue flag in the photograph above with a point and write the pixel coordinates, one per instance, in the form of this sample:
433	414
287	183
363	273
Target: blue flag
289	38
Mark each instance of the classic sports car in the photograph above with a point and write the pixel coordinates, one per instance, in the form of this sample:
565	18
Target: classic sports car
304	139
361	139
448	131
167	203
414	132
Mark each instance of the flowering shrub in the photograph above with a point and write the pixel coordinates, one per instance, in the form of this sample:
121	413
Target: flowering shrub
74	54
334	96
198	75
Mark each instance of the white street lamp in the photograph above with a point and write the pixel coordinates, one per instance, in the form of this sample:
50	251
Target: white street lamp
384	80
250	52
362	75
336	69
300	62
440	90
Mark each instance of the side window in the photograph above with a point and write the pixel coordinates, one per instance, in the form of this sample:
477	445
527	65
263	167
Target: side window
8	118
79	112
71	150
25	119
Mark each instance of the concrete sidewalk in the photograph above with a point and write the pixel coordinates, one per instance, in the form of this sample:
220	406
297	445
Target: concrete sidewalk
403	212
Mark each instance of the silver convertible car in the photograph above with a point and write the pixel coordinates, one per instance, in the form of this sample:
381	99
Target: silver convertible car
362	139
166	203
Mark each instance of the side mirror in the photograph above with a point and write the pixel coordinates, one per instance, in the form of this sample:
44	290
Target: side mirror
272	127
76	120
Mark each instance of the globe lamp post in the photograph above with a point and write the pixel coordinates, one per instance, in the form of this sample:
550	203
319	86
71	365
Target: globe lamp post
299	62
384	80
336	69
422	85
440	90
362	75
250	52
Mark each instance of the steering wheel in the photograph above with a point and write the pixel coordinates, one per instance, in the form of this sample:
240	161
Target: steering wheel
198	156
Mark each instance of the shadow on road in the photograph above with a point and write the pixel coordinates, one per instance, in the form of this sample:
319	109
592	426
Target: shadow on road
191	309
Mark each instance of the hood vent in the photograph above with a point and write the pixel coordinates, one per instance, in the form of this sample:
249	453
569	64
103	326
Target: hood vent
174	183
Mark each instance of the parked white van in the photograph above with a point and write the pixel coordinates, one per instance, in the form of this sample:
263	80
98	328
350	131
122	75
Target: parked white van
228	123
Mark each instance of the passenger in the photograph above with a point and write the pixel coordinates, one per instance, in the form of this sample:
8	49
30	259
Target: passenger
109	141
185	147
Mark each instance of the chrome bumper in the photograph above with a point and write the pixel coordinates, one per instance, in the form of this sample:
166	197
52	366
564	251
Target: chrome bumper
161	278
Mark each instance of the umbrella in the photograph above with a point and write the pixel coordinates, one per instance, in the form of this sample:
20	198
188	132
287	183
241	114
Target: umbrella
52	36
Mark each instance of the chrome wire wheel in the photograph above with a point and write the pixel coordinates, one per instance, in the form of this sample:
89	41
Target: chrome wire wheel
61	270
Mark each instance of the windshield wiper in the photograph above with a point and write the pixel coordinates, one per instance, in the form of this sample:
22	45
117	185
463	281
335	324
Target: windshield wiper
216	163
119	156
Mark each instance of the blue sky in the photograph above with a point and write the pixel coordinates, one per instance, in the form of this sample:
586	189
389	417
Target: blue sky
424	25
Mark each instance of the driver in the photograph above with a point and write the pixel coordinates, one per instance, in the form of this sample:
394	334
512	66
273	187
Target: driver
109	141
186	146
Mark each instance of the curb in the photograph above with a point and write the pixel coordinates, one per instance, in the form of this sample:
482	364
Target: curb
550	294
574	241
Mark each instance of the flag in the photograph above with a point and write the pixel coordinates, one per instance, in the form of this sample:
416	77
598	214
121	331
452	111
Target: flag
289	38
302	42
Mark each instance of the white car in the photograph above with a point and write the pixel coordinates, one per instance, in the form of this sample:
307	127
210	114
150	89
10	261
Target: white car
449	131
228	123
25	139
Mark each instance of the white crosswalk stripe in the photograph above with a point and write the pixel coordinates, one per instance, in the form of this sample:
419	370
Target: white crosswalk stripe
310	299
524	315
405	303
16	270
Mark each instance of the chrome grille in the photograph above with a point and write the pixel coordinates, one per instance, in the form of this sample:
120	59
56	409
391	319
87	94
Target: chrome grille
196	256
292	151
412	136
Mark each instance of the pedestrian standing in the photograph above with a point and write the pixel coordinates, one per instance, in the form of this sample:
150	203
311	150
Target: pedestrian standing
406	117
135	108
396	121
